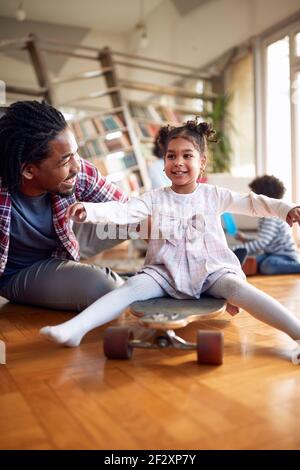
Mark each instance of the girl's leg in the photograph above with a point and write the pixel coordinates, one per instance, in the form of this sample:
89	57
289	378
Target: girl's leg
104	310
257	303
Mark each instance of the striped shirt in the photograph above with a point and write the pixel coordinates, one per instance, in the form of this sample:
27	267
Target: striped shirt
274	237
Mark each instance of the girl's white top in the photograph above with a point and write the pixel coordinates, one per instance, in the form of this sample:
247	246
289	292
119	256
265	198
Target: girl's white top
187	251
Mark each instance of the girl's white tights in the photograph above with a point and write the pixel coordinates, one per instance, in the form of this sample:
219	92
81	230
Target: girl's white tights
259	305
104	310
142	287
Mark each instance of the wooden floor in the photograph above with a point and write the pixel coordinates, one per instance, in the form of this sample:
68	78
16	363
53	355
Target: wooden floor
60	398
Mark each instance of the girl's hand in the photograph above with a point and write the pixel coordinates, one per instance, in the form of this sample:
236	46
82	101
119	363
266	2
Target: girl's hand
76	212
293	216
232	309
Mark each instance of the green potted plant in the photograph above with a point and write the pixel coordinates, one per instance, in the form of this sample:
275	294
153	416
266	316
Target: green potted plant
221	151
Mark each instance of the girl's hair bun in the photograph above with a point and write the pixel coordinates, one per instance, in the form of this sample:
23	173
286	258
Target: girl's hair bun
205	128
200	133
202	129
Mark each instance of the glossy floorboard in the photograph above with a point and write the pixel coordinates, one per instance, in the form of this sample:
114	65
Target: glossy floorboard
59	398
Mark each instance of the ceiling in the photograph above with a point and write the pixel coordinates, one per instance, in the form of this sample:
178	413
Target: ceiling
184	7
113	16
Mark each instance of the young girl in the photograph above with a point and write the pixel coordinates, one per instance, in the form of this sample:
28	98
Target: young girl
187	252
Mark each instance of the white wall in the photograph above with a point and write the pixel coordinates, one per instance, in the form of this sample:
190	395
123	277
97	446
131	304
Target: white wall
210	30
73	66
239	185
194	39
16	68
239	84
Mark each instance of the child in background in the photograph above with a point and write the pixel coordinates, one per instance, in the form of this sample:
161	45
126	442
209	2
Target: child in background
187	252
156	168
274	245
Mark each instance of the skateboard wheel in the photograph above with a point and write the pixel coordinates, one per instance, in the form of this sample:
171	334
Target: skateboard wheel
162	341
210	346
116	343
296	357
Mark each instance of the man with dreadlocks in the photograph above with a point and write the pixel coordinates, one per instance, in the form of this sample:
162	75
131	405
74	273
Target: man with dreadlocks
41	174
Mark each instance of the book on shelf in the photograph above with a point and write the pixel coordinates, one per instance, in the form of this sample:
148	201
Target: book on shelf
117	143
147	150
160	114
131	183
130	160
147	130
135	181
115	163
92	126
111	122
99	136
92	148
100	147
105	140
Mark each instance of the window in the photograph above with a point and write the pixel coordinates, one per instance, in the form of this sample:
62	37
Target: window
278	106
297	44
278	113
296	103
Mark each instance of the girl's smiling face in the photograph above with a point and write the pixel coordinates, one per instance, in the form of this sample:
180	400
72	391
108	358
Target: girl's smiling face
183	164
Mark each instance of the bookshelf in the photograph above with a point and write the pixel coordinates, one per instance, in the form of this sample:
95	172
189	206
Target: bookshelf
115	117
103	139
148	118
118	119
119	140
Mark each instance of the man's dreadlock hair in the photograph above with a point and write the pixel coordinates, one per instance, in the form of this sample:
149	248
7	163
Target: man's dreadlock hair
26	129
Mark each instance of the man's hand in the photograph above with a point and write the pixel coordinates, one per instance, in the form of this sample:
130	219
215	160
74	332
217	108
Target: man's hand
76	212
293	216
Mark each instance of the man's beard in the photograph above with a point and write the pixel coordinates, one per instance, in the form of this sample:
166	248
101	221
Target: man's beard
70	192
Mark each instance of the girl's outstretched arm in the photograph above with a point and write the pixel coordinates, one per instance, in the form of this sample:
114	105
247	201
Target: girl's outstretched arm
256	205
115	212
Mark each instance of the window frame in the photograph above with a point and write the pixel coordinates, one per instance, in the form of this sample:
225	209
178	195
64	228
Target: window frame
260	45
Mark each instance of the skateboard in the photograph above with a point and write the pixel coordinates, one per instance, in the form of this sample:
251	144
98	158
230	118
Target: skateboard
160	317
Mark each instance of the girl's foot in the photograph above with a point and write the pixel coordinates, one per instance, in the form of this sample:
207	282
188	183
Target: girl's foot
58	335
295	357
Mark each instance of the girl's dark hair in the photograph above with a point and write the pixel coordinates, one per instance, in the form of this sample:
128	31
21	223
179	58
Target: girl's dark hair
156	149
268	185
197	133
26	129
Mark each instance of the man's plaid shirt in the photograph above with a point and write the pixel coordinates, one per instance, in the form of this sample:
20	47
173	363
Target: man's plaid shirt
90	187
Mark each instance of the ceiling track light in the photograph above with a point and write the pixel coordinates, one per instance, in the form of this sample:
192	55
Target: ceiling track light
142	29
20	13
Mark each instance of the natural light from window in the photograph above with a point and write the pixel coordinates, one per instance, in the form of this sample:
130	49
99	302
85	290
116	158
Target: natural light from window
296	101
297	44
278	158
